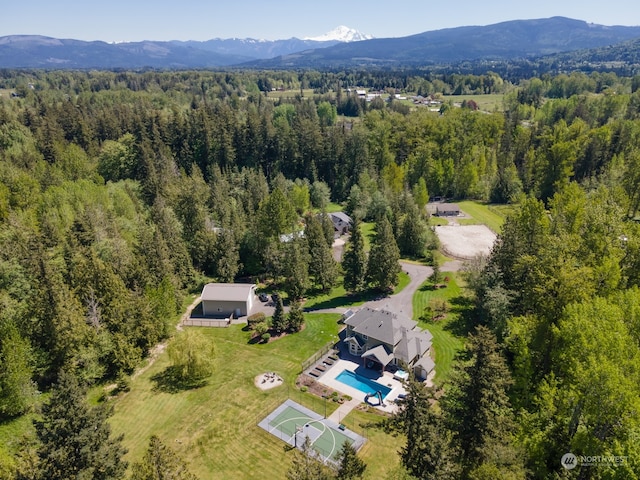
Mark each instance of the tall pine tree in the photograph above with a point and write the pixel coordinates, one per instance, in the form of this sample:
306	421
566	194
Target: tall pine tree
383	266
322	266
354	261
75	438
428	453
296	268
476	407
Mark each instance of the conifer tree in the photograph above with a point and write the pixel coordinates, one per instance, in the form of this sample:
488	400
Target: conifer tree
383	265
295	318
75	438
296	269
160	463
354	261
350	466
279	321
476	407
428	453
413	236
322	266
307	466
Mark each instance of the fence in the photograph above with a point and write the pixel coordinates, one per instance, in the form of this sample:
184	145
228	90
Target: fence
317	356
206	322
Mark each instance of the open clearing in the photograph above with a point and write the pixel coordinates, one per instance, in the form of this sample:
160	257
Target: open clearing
465	241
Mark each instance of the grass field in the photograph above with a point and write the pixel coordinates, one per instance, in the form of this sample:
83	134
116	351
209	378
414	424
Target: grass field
488	103
338	296
447	342
492	216
214	427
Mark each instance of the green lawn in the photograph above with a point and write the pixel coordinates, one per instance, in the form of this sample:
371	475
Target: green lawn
214	427
482	213
446	342
334	207
489	103
338	296
368	230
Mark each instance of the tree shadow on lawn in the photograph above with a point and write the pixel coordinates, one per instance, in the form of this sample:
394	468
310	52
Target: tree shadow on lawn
346	300
464	320
169	381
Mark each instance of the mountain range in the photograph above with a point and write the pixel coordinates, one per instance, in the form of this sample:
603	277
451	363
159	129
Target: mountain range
341	48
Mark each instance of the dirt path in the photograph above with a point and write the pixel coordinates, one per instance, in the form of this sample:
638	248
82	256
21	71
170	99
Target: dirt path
161	347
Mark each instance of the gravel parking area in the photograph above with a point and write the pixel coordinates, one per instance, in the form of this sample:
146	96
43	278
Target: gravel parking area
466	241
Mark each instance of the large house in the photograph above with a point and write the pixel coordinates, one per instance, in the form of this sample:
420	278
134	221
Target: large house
381	338
226	299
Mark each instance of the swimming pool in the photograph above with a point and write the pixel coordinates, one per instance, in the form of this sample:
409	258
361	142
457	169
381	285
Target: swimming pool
361	383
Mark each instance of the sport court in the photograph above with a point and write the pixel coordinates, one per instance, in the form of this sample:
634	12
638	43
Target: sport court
292	423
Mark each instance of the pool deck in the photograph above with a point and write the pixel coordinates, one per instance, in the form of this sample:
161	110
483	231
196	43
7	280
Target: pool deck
329	379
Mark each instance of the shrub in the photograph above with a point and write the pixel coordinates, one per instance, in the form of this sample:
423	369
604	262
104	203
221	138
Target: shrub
304	388
265	337
123	382
256	318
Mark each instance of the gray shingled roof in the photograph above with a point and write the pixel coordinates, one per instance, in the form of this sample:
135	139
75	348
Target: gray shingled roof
341	216
379	353
381	325
413	343
427	363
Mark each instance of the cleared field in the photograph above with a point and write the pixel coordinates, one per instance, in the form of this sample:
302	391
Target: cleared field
493	216
214	428
446	340
492	102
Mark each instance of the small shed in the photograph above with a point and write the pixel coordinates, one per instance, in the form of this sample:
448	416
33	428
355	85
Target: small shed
226	299
448	210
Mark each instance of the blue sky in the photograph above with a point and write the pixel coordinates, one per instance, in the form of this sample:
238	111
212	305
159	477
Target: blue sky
134	20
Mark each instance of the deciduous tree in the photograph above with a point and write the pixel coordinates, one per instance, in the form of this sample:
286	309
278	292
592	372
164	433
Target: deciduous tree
193	356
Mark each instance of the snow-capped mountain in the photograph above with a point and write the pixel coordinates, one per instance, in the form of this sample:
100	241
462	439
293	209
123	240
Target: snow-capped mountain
341	34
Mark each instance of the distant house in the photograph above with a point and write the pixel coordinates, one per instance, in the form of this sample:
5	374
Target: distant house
448	210
341	222
227	299
381	338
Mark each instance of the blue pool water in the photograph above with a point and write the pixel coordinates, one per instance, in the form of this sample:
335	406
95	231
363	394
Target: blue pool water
361	383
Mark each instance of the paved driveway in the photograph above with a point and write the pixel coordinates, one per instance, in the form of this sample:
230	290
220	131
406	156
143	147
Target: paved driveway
401	302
